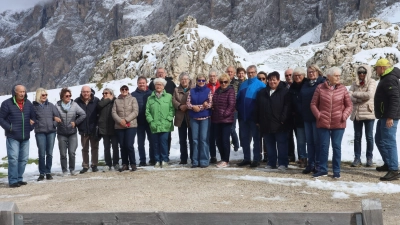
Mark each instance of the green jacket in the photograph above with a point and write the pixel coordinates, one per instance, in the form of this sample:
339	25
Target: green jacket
160	112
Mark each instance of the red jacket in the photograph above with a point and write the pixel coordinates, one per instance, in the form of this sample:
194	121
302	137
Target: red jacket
330	107
212	87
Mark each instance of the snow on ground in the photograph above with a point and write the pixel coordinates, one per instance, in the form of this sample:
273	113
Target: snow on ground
311	37
391	13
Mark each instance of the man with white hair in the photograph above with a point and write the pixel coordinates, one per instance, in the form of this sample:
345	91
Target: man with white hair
387	110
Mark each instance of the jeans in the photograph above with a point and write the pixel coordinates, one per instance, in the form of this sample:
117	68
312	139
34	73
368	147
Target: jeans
201	151
111	141
185	133
142	131
249	130
301	142
235	139
327	135
126	139
94	150
160	141
385	140
45	144
223	132
212	140
277	147
313	146
290	137
369	126
70	144
17	154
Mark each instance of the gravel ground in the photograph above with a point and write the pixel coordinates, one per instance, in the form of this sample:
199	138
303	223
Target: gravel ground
196	190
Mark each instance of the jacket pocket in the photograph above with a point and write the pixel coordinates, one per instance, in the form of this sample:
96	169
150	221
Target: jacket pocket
382	108
370	108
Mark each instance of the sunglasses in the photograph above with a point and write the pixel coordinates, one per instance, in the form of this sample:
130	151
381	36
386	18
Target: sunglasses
106	93
224	82
262	78
124	89
68	96
201	81
44	95
288	75
361	73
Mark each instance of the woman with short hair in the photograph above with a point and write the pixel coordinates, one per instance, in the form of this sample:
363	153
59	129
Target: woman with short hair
331	106
71	115
47	117
160	115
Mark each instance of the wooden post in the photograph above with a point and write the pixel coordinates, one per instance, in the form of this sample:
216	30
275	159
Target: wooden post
7	210
372	212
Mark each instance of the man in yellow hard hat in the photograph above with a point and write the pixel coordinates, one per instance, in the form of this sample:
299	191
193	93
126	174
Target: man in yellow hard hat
387	111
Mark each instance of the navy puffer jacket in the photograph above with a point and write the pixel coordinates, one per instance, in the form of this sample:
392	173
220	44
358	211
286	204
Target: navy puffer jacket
141	98
88	126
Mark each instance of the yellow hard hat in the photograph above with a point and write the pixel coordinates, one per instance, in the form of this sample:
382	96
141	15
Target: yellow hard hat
382	62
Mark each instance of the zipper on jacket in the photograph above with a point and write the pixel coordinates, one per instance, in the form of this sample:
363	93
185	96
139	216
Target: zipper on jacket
23	126
330	118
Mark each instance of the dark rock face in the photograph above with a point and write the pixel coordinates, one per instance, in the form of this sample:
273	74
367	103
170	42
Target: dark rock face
57	43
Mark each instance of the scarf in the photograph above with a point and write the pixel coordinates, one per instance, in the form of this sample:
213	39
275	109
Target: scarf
66	107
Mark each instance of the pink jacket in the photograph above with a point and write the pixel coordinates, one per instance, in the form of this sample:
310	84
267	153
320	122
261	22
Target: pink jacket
330	107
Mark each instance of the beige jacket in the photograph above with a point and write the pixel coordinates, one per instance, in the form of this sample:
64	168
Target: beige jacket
363	97
125	108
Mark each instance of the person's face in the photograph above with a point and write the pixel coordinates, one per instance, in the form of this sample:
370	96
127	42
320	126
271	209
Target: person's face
20	92
161	73
142	84
361	75
251	73
224	83
185	81
288	76
379	70
159	87
85	93
312	74
67	97
231	72
201	81
212	78
241	75
334	79
43	96
262	78
106	94
273	83
298	78
124	91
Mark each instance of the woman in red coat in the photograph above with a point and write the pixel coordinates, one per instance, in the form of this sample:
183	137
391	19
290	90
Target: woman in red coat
331	106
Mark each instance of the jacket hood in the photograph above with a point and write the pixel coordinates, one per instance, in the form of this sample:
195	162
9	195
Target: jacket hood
13	91
367	76
396	72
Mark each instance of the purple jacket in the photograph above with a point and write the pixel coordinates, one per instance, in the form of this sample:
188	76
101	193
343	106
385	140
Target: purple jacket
223	105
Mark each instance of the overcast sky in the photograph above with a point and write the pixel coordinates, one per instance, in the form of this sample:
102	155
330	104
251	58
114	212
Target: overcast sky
18	5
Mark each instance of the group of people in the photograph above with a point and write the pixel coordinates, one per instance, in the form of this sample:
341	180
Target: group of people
312	105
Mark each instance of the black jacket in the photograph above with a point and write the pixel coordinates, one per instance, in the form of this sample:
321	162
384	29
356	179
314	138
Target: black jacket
272	111
88	126
141	98
169	87
106	122
387	96
295	99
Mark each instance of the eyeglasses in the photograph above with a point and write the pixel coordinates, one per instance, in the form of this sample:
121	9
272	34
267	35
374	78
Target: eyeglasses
288	75
68	96
85	91
262	78
310	71
201	81
106	93
124	89
361	73
224	82
44	95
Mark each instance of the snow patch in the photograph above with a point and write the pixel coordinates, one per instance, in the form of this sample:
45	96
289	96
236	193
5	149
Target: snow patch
276	198
311	37
340	195
391	13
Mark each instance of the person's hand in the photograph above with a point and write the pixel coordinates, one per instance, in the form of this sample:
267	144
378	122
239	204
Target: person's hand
123	123
58	120
73	124
32	122
389	122
196	108
183	108
205	104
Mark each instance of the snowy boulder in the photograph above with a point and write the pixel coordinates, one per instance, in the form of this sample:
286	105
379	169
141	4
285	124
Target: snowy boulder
359	42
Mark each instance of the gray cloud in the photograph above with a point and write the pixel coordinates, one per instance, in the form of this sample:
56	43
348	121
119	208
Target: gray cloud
18	5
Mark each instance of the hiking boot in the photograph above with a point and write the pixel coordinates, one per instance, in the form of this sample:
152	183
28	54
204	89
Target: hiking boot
320	174
244	163
49	176
84	170
356	163
391	175
183	162
22	183
270	167
142	164
41	177
157	165
123	168
14	185
282	168
164	164
336	175
133	167
369	163
94	169
213	160
116	167
308	170
382	168
254	164
106	168
152	162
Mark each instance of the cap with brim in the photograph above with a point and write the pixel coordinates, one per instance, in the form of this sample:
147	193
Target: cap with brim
124	86
383	62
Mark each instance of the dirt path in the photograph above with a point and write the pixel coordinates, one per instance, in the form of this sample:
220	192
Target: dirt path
199	190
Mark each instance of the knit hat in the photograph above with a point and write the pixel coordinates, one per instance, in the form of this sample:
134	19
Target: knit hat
382	62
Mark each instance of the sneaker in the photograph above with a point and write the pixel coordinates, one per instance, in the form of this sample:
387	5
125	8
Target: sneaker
116	167
106	169
356	163
320	174
213	160
307	170
134	168
74	173
84	170
244	163
142	164
222	164
382	168
123	168
254	164
49	176
157	165
94	169
391	175
164	164
369	163
64	174
282	168
336	175
270	167
14	185
41	177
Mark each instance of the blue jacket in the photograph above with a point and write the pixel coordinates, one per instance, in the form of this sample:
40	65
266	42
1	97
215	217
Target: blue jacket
15	122
246	98
306	95
88	126
45	114
198	96
141	98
